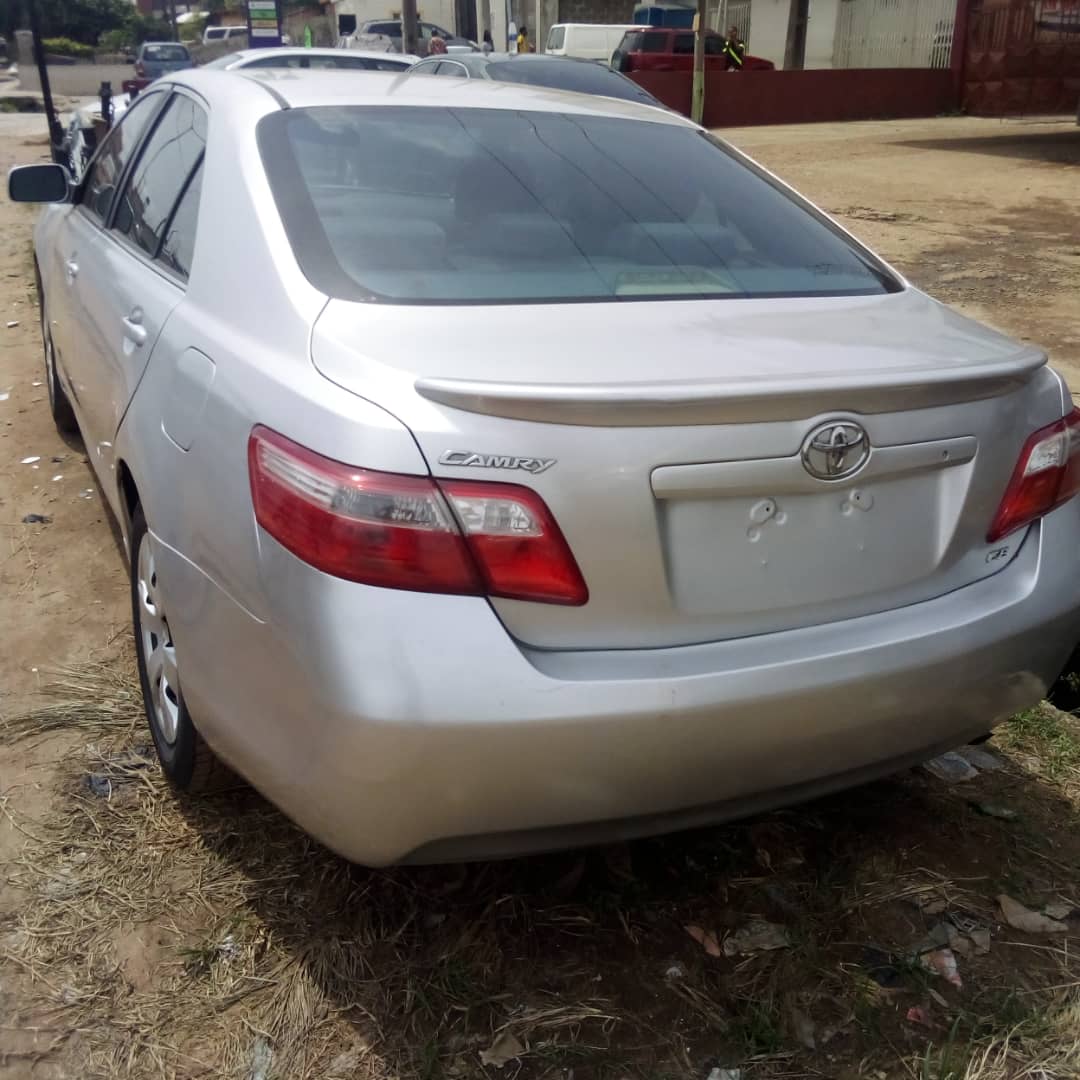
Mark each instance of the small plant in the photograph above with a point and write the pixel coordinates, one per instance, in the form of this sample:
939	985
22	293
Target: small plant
62	46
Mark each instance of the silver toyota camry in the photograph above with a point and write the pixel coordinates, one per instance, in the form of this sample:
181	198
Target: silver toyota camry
504	469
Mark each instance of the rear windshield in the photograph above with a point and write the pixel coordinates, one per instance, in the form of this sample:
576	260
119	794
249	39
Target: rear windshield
165	52
580	76
216	32
406	204
556	37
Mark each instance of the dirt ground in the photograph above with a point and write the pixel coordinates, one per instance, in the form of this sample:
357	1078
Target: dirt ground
205	954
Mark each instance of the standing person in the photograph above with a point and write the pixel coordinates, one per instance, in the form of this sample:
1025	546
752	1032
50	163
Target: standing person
487	45
523	39
734	50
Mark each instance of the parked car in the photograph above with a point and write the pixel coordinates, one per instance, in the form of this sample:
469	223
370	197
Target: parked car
585	41
513	470
223	33
313	58
666	49
157	58
529	69
391	30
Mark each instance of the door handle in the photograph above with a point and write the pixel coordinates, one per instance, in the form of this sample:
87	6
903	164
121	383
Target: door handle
134	330
72	268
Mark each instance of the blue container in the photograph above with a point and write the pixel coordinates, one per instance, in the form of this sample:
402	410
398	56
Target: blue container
678	16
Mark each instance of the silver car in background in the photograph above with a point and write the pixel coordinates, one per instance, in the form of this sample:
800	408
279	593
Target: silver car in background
504	469
314	59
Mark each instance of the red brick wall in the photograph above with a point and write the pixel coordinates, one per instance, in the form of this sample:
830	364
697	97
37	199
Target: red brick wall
794	97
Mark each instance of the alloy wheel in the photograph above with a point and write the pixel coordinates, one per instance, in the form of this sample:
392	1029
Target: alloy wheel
158	650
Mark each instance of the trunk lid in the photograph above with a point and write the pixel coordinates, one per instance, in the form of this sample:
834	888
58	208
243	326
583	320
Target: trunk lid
719	469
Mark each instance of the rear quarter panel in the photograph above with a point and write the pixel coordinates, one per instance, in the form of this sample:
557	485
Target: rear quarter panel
248	311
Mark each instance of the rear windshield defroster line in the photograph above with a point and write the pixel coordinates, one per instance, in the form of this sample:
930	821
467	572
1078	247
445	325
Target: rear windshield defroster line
431	205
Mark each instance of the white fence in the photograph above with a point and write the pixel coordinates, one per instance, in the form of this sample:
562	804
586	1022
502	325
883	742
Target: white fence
894	33
733	13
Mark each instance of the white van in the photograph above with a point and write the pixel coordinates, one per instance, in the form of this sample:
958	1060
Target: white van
588	41
223	33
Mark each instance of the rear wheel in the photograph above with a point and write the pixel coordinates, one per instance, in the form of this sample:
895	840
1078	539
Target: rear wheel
62	413
185	758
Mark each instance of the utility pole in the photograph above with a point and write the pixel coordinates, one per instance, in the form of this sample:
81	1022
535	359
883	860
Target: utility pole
697	89
410	37
56	132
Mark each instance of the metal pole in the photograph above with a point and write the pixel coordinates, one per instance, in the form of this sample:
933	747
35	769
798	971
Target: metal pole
106	104
410	37
56	132
697	88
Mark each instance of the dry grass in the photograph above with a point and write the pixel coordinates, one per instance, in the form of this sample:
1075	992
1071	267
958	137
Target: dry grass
172	938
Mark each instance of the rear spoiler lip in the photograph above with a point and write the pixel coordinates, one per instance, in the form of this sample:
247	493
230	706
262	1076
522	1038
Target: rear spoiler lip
734	400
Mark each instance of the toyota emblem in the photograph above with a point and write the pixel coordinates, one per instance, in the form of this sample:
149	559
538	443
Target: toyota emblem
836	450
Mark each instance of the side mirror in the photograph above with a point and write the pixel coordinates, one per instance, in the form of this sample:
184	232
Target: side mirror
39	184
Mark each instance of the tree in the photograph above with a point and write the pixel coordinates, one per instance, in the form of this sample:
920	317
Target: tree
80	20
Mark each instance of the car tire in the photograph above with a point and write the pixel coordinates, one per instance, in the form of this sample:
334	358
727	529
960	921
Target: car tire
186	760
62	413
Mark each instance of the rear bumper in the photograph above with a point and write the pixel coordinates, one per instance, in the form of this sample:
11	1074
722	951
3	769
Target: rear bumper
395	726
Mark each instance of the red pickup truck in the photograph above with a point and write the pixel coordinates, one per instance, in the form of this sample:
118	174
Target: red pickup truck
668	49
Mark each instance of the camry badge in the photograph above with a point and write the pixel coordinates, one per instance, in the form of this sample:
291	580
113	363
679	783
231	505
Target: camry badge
532	465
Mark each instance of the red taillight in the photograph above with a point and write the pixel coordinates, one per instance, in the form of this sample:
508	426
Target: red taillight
410	532
1047	475
517	545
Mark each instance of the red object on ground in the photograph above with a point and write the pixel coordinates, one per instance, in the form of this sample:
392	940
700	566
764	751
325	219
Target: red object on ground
134	86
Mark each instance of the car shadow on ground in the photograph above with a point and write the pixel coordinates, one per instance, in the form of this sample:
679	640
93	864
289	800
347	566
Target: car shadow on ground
635	960
1054	147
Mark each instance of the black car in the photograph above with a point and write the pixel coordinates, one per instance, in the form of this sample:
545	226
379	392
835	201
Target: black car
557	72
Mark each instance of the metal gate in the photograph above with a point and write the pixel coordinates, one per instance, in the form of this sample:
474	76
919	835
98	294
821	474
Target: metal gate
894	33
1022	57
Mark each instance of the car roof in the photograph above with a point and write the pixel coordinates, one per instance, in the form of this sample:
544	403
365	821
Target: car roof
482	60
299	50
299	89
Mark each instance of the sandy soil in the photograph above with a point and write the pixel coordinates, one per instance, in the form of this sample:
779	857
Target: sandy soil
984	214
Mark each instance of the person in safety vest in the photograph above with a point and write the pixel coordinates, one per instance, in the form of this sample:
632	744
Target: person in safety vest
734	50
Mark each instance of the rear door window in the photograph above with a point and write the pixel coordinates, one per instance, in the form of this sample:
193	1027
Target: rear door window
168	158
179	242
